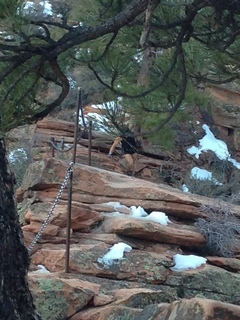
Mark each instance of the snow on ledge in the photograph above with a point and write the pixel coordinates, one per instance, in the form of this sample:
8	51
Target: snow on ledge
114	254
187	262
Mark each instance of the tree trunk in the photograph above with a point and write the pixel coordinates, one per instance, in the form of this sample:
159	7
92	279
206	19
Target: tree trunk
16	302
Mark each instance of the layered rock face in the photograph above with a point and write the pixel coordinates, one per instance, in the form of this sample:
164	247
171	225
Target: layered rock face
226	116
143	284
140	285
154	164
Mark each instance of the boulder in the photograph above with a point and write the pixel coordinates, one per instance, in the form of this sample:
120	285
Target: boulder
57	298
196	308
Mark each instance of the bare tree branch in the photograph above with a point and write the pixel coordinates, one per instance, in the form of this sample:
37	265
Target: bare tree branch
152	4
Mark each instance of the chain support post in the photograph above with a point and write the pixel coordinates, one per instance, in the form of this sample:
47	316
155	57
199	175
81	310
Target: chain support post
69	213
90	144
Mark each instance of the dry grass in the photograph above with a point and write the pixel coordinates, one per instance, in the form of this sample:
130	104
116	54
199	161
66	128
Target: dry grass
221	229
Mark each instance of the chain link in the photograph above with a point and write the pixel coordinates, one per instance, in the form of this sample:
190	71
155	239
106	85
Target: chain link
45	223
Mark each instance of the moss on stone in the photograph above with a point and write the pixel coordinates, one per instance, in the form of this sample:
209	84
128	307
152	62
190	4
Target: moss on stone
51	305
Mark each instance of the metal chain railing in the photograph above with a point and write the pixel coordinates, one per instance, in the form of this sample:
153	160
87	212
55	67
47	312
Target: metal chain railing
45	223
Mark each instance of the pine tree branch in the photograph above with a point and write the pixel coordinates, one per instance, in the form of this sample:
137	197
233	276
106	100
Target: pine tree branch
17	80
65	90
19	60
162	80
84	33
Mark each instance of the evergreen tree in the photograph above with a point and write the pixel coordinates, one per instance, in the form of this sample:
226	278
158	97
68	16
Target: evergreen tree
151	53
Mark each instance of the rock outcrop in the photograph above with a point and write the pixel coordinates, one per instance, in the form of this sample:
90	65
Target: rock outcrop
141	285
154	164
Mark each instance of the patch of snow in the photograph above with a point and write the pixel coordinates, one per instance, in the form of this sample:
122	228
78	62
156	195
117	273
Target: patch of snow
160	217
16	154
41	269
116	205
209	142
138	212
203	174
99	122
156	216
235	163
187	262
185	188
114	254
29	6
72	82
47	8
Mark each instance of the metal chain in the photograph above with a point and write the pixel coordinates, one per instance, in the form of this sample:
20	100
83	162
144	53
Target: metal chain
45	223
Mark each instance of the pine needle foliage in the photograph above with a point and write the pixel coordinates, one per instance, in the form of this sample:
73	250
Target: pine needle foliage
154	66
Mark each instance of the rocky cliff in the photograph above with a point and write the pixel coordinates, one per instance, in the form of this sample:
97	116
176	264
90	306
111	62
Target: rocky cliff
143	283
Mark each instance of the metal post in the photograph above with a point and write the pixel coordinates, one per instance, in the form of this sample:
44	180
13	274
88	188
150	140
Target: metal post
70	184
90	144
52	148
62	143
